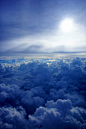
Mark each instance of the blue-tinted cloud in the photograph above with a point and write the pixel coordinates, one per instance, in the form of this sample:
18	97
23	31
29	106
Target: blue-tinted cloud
43	94
11	118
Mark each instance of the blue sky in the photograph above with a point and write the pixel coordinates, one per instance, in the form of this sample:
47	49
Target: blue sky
33	26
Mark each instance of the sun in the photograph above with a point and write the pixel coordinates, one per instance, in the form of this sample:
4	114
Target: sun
67	25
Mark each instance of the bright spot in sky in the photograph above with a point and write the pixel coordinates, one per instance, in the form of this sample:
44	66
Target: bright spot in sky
67	25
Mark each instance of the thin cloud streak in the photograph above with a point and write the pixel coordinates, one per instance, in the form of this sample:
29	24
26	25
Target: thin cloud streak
54	41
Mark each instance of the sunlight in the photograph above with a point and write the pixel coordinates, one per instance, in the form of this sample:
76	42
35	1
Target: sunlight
67	25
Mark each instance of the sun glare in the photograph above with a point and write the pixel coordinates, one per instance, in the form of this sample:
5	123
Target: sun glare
67	25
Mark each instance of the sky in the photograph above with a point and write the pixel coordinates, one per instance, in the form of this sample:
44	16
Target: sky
38	26
42	64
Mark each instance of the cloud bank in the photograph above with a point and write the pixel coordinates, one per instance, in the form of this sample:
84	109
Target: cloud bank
43	95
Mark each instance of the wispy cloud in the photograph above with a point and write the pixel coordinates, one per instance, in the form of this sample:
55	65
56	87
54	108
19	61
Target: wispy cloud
29	23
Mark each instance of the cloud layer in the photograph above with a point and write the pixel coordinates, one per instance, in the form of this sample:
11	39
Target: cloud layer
43	95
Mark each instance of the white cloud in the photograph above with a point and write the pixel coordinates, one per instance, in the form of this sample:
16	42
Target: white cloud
54	41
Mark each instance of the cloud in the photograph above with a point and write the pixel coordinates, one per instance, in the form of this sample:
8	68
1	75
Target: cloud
10	118
76	61
54	94
33	49
37	95
76	99
59	114
3	96
34	100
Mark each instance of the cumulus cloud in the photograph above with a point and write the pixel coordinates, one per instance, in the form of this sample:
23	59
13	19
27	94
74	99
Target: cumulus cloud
59	114
41	96
11	118
30	100
76	61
